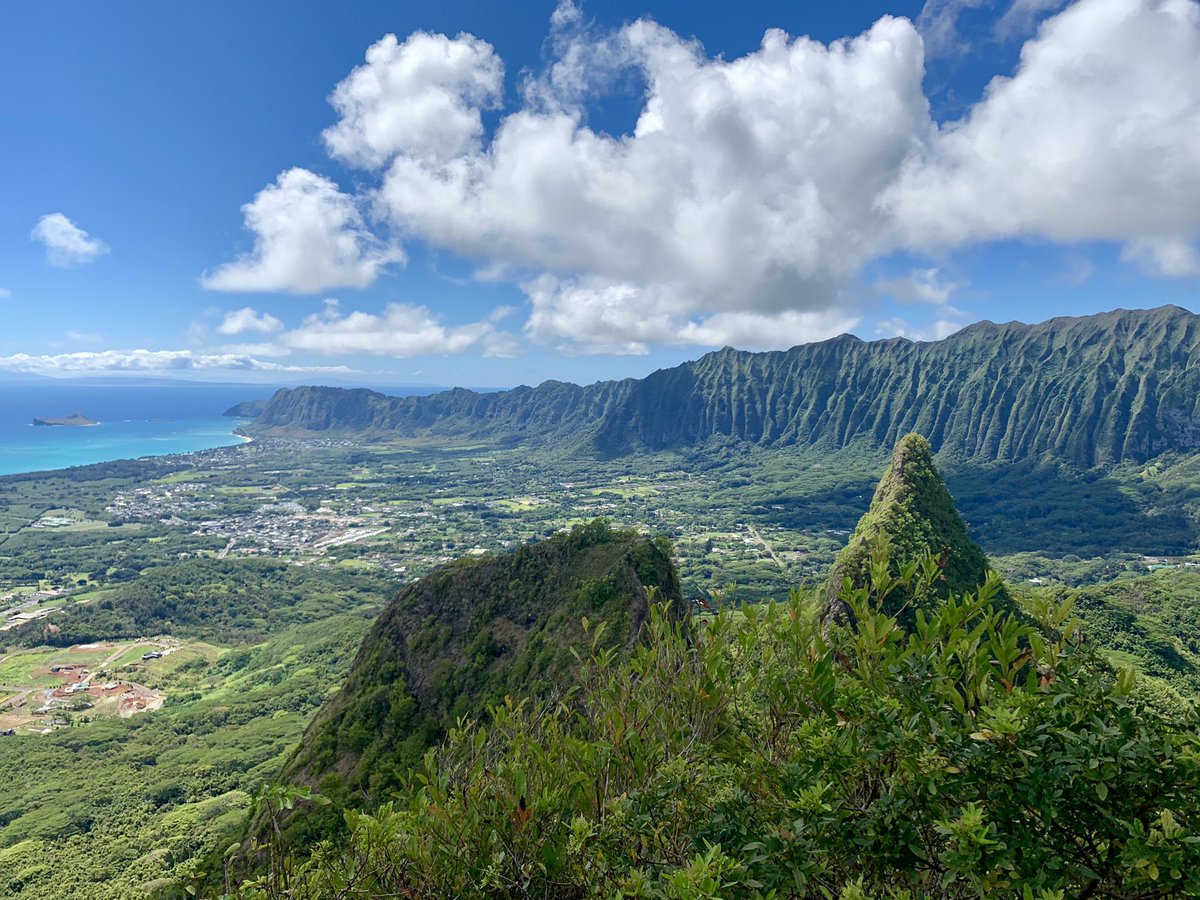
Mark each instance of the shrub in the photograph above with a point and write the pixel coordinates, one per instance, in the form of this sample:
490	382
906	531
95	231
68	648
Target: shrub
973	753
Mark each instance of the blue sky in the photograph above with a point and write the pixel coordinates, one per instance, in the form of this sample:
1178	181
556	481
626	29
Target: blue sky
492	194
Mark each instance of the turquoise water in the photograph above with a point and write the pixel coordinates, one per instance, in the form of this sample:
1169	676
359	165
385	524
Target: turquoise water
133	422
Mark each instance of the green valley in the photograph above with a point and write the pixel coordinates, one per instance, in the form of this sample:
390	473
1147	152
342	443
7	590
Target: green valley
582	450
257	571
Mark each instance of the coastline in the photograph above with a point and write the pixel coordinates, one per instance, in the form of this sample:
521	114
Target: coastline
30	449
138	421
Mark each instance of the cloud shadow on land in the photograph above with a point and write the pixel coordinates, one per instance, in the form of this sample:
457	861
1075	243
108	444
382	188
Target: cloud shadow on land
1039	506
1024	507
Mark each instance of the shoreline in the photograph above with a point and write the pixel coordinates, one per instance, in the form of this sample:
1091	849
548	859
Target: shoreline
38	463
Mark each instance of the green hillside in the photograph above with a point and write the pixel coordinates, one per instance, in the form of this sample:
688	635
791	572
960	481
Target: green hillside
1152	623
762	753
1097	390
469	635
912	516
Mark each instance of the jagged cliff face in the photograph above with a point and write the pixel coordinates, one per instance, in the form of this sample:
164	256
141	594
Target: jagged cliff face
913	513
1091	391
469	634
553	407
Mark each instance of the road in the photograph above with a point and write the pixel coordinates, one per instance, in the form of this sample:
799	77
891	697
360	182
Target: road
770	550
351	537
117	654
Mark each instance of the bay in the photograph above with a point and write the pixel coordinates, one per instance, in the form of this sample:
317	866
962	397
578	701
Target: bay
134	421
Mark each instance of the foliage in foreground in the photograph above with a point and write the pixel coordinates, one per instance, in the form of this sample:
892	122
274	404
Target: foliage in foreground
971	755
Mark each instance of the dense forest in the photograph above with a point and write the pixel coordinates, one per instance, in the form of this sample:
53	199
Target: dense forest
969	756
238	601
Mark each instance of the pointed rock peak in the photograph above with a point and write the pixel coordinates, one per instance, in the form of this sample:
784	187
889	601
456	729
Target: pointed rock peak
912	513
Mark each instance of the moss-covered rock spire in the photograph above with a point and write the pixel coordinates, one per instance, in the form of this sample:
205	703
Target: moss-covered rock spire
913	514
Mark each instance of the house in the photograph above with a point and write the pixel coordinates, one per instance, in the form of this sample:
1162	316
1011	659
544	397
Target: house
23	617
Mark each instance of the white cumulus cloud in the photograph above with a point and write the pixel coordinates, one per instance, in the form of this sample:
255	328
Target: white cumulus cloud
746	200
66	243
919	286
422	96
308	237
1095	137
148	362
1172	257
401	331
596	316
748	187
246	319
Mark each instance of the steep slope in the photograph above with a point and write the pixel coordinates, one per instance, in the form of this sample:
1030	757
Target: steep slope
553	407
914	514
1096	390
468	635
1151	622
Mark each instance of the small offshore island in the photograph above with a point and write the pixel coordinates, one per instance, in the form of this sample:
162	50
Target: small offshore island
74	420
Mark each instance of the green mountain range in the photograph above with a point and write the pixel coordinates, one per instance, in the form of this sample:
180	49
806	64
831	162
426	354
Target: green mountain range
1097	390
533	725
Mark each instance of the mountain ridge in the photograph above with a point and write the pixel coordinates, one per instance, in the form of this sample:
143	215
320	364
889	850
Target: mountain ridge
472	632
1093	390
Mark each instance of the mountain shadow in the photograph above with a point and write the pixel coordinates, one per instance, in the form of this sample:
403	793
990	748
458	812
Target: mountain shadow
1049	507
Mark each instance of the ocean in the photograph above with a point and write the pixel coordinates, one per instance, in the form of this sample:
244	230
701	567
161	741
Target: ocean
134	420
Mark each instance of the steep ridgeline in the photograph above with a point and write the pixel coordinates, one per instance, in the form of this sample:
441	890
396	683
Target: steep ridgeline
469	634
1094	390
553	407
912	514
1101	389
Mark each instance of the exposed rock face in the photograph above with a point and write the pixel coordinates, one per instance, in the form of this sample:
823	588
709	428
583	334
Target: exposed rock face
1096	390
471	633
913	514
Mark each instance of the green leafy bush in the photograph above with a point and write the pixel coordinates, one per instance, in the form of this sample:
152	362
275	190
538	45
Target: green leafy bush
971	754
